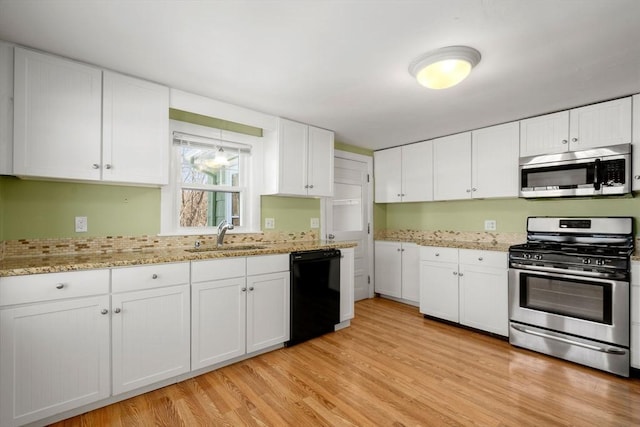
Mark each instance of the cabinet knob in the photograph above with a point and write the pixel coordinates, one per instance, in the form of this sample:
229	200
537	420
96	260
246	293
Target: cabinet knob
403	194
306	186
460	274
60	286
107	166
244	289
437	253
95	166
311	186
474	189
399	195
398	249
637	177
455	273
104	311
117	310
468	190
154	276
574	139
564	141
251	288
480	258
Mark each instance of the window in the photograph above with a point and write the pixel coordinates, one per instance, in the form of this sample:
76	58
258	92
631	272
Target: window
212	179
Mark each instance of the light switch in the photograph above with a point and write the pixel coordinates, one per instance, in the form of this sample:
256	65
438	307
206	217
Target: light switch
81	224
315	222
269	223
490	225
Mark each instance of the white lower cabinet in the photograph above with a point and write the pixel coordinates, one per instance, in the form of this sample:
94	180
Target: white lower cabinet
239	306
396	270
465	286
54	344
635	314
347	284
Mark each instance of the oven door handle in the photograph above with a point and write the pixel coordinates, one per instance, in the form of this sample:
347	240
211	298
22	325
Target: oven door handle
568	341
563	272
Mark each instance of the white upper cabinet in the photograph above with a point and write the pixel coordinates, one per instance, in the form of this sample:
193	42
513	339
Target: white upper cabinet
404	174
6	108
452	167
494	161
299	161
597	125
66	127
57	117
135	130
635	170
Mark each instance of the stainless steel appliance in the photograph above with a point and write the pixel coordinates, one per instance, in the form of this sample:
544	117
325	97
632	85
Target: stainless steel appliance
569	290
315	294
594	172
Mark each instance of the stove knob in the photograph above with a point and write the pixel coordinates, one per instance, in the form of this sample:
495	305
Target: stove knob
538	257
527	256
586	260
600	262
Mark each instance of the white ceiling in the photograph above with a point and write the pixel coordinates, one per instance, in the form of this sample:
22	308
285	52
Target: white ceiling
342	65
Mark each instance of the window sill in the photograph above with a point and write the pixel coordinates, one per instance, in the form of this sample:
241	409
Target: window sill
205	232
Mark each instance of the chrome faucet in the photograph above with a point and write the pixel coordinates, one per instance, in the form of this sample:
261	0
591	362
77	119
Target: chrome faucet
222	229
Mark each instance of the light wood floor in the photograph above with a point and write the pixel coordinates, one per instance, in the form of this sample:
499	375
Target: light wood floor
391	367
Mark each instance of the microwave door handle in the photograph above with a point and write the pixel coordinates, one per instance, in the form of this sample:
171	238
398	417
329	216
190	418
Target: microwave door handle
597	179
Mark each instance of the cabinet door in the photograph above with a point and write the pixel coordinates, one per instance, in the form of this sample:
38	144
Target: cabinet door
635	169
6	108
546	134
417	172
57	117
347	285
411	272
635	315
293	158
388	268
53	357
494	155
135	130
452	167
151	331
387	165
439	290
320	163
484	298
267	310
598	125
218	321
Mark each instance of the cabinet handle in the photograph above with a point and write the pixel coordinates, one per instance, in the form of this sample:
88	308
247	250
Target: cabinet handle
311	186
399	195
474	189
60	286
117	310
460	274
574	139
455	273
564	141
437	253
95	166
244	289
107	166
251	288
104	311
398	249
480	258
401	250
468	190
154	276
403	194
637	177
306	186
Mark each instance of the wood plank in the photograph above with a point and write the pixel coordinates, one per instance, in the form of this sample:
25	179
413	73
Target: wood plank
391	367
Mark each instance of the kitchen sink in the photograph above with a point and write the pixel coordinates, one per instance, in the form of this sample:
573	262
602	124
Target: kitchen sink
227	248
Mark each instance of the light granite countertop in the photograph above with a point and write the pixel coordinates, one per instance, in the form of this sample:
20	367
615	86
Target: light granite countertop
18	266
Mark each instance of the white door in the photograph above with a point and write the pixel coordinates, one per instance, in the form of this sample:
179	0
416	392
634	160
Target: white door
349	214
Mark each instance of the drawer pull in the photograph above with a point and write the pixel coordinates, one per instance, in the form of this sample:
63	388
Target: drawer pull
104	311
460	274
437	253
251	288
155	276
244	289
455	273
60	286
479	258
117	310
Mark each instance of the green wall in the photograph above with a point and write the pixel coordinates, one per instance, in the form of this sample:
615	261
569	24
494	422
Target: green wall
47	209
353	149
289	213
510	214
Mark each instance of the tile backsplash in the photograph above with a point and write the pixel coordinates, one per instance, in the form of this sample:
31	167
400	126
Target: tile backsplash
115	244
449	235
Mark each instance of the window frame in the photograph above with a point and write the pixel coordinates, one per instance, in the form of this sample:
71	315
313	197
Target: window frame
250	180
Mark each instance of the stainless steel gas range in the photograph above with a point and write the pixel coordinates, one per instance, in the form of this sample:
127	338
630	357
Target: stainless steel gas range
569	290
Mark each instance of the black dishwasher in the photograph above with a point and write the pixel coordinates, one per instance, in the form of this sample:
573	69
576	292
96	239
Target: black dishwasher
315	293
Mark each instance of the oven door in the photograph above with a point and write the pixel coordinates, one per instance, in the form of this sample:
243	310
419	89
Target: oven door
593	308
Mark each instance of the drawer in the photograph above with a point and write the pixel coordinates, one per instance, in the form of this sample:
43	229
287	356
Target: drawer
216	269
149	276
438	254
53	286
484	258
267	264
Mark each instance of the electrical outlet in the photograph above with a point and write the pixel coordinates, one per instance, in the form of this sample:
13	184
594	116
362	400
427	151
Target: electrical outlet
489	225
81	224
269	223
315	222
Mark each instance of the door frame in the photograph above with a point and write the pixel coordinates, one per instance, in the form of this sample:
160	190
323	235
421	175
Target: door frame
368	160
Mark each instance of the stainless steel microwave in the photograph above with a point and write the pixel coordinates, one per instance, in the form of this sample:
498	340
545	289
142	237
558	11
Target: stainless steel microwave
599	171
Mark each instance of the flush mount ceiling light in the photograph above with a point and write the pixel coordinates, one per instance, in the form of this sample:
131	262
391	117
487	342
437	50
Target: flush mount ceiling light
445	67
